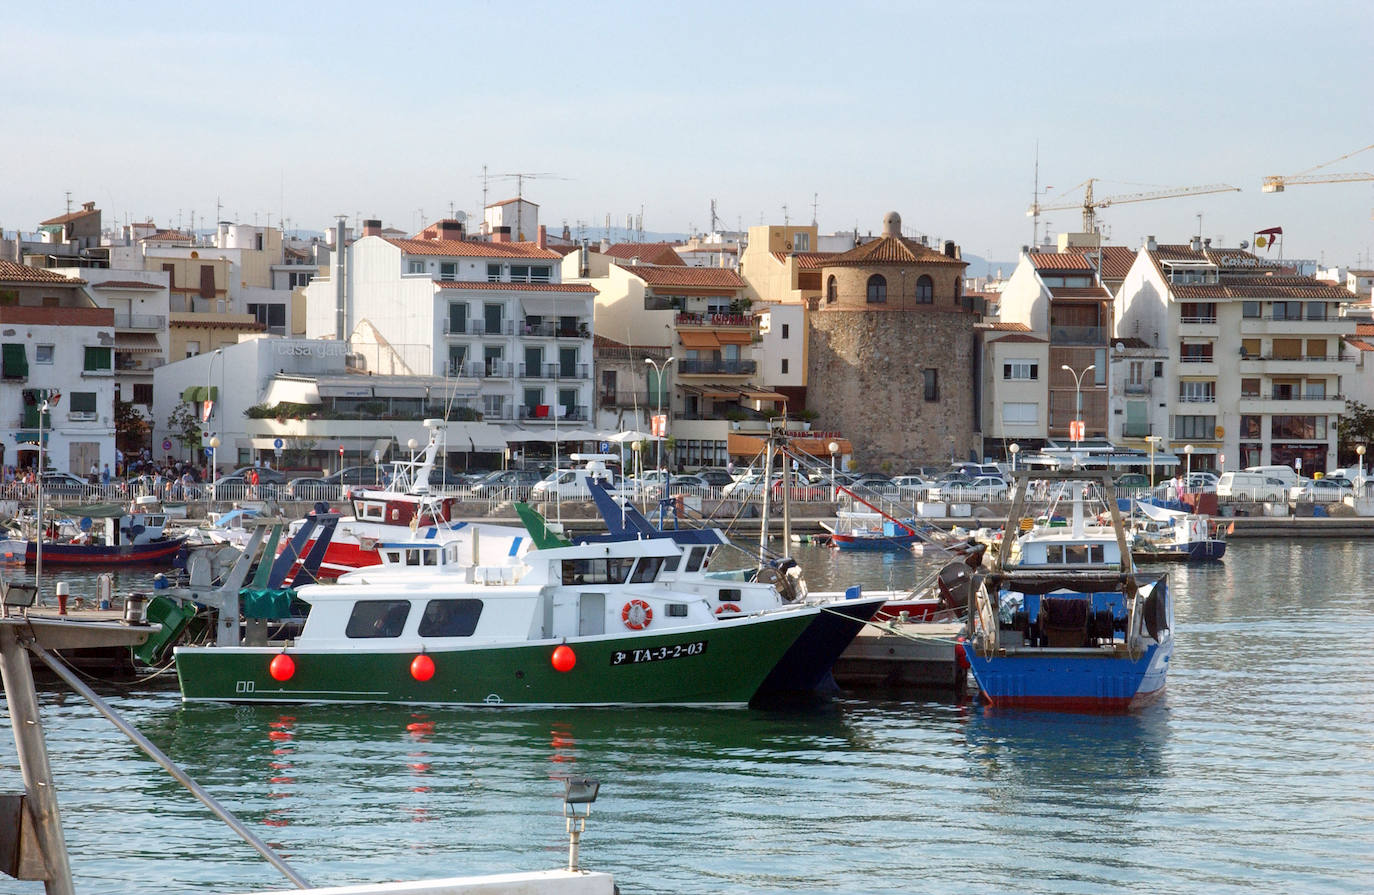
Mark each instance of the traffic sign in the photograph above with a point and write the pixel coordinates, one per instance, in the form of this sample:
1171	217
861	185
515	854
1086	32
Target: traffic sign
166	444
605	447
278	443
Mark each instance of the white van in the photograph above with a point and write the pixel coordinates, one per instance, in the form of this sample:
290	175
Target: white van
1250	485
1285	474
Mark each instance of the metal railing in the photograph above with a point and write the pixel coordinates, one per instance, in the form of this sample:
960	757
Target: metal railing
1278	396
685	318
1078	335
139	321
556	331
555	371
1197	359
722	367
574	413
1211	320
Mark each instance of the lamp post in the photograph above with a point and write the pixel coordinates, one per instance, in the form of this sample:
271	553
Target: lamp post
209	376
1078	390
1153	440
1359	449
214	455
38	536
834	449
1188	467
1013	449
659	373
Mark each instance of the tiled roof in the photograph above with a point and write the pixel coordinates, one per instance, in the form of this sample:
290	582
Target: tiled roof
1263	288
891	250
1132	342
1021	337
646	252
608	344
1364	329
806	260
1079	292
167	236
22	273
1009	326
1361	273
1060	261
514	287
1359	344
698	277
68	217
463	248
125	284
513	199
1116	262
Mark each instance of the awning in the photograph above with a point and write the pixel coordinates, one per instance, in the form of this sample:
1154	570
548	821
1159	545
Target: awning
698	339
750	446
762	395
384	390
345	390
136	343
544	306
381	447
720	391
195	394
292	391
734	336
465	438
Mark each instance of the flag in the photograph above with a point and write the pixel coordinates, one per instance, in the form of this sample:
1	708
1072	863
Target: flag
206	409
659	425
1264	239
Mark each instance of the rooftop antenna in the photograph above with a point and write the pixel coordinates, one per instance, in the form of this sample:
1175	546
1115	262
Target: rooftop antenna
1199	225
69	200
815	201
218	212
714	219
786	221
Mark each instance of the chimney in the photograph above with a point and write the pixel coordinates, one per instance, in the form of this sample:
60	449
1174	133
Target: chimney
567	234
450	230
1150	244
1195	243
372	227
949	249
543	238
605	245
502	234
88	206
584	266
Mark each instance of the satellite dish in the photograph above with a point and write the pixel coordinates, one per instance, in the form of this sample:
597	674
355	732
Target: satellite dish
1120	346
1245	244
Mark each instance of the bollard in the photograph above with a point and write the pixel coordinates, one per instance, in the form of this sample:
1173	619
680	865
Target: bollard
62	591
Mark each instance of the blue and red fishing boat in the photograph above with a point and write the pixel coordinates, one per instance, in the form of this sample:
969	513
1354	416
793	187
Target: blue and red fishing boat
1062	621
100	535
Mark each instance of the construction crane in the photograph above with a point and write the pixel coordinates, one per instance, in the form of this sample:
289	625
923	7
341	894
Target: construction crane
1090	205
1277	182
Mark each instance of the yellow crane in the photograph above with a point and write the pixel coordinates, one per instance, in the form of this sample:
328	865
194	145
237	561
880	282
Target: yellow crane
1090	204
1276	182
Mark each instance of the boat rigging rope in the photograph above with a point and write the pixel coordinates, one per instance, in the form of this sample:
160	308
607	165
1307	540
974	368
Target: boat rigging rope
891	628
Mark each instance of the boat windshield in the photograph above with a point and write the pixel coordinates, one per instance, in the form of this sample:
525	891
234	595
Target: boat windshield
597	571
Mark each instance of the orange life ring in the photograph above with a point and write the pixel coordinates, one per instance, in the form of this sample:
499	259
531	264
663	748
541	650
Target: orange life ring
727	607
636	615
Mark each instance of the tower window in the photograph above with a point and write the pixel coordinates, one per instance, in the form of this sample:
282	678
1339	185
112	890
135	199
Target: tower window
877	289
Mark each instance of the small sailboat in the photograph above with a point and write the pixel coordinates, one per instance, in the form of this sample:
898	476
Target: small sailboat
1163	535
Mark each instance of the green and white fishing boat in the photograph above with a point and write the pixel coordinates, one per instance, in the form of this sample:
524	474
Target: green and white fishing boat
598	623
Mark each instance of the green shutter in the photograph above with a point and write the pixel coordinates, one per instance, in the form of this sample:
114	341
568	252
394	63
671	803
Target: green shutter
98	359
15	361
1137	421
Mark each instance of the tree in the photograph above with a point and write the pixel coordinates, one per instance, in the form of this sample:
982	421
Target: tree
131	429
184	424
1356	426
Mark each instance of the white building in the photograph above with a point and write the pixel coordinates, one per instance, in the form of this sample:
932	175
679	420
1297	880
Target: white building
493	312
55	341
1257	358
1014	393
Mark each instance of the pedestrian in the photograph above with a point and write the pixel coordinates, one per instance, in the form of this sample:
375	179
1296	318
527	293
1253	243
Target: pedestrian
105	475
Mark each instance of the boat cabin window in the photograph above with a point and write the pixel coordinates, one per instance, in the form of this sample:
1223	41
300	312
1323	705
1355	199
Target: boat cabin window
450	618
597	571
421	556
1074	554
392	556
694	558
451	554
647	570
677	610
377	618
371	510
670	562
729	594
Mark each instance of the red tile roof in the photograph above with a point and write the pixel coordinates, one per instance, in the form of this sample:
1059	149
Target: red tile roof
515	287
1364	329
22	273
125	284
1116	262
1079	292
1359	344
1021	337
1263	288
1060	261
695	277
806	260
463	248
513	199
1010	326
646	252
167	236
68	217
891	250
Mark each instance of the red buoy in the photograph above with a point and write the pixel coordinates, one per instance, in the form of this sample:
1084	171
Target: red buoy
422	667
281	667
564	658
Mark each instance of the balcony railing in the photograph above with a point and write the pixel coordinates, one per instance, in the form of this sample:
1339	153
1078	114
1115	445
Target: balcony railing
555	371
1078	335
685	318
1197	399
483	370
1197	359
1279	396
1197	319
566	413
624	399
478	328
1137	388
720	367
1311	358
139	321
555	331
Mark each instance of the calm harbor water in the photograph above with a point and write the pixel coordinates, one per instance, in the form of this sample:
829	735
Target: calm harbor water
1255	773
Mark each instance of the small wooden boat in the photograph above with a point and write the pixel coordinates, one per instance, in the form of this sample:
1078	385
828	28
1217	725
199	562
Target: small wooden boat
102	535
1164	535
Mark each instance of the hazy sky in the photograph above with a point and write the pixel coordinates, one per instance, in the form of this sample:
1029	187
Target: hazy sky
934	110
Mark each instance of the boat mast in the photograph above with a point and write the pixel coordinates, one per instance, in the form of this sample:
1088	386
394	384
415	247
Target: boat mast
765	484
780	432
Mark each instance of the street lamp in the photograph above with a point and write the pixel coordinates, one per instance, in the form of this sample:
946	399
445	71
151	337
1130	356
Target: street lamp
1153	440
209	371
834	449
1078	391
659	373
214	453
1013	449
1188	468
1359	449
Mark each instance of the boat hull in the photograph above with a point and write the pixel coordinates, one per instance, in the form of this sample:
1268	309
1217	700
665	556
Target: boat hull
805	667
1077	680
1196	551
873	543
160	552
720	664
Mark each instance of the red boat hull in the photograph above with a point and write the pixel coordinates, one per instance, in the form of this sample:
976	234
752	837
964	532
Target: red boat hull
159	552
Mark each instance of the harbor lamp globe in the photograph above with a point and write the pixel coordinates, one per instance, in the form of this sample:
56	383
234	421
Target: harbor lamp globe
1188	467
834	447
214	466
1013	449
1359	449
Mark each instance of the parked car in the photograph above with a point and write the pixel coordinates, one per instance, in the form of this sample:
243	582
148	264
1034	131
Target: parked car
695	484
506	483
266	474
233	487
748	486
1250	486
569	484
715	476
1133	480
911	486
1323	490
986	487
64	483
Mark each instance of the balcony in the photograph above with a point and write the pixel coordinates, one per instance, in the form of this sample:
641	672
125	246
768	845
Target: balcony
1197	399
624	399
690	367
479	328
566	413
486	370
1310	366
1303	405
1197	326
555	371
1285	326
1137	388
1078	335
554	331
140	321
716	321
